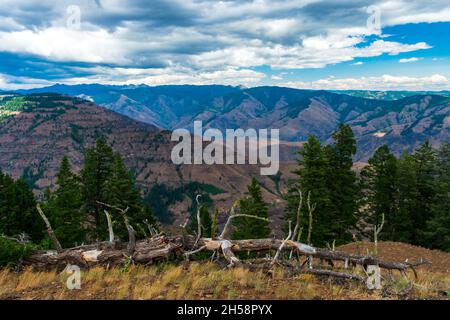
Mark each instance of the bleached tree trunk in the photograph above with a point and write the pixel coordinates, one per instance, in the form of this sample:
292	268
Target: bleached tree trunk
110	227
376	232
51	234
131	233
311	209
298	220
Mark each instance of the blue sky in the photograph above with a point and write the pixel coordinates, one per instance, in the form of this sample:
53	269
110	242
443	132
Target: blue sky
347	44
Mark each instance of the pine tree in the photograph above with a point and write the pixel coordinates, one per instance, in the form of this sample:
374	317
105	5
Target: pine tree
106	179
407	197
437	234
379	190
253	204
312	171
64	207
342	183
18	209
120	191
97	170
425	159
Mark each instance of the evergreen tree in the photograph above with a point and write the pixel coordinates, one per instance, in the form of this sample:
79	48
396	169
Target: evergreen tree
437	234
97	170
379	187
407	195
64	207
342	183
425	159
312	171
253	204
106	179
120	191
18	209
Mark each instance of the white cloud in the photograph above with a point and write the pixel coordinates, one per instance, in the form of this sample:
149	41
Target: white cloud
198	39
62	44
385	82
408	60
396	12
359	63
135	76
8	82
314	55
208	34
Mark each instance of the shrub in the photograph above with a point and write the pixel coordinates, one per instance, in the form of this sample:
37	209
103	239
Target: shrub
12	252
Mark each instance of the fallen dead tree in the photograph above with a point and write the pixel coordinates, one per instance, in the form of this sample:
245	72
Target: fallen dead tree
160	247
106	254
255	245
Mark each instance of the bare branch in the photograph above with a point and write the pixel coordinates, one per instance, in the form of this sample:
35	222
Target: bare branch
234	215
297	224
110	227
310	213
50	232
275	258
131	233
199	222
227	224
376	232
189	253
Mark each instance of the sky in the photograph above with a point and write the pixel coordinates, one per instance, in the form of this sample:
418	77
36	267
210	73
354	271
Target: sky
309	44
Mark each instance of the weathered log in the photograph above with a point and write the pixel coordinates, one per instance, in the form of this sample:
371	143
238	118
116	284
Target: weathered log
329	273
145	251
152	249
258	245
227	249
365	260
275	244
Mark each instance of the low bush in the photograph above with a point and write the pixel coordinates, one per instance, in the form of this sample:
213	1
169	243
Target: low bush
12	252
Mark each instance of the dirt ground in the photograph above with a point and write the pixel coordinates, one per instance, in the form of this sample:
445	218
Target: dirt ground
400	252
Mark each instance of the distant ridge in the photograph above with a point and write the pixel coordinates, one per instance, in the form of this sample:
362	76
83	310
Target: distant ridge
375	116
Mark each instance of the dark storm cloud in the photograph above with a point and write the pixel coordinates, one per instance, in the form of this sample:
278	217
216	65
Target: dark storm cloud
23	65
147	14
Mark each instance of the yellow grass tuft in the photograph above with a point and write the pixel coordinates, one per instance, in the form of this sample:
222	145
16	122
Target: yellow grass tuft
31	280
208	281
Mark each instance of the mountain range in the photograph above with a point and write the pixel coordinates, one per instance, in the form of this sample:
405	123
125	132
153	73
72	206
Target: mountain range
390	95
37	130
403	120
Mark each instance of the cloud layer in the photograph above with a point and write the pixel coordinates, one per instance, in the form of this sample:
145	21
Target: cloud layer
385	82
198	41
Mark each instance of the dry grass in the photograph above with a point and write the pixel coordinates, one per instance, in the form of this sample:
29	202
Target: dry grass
207	281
